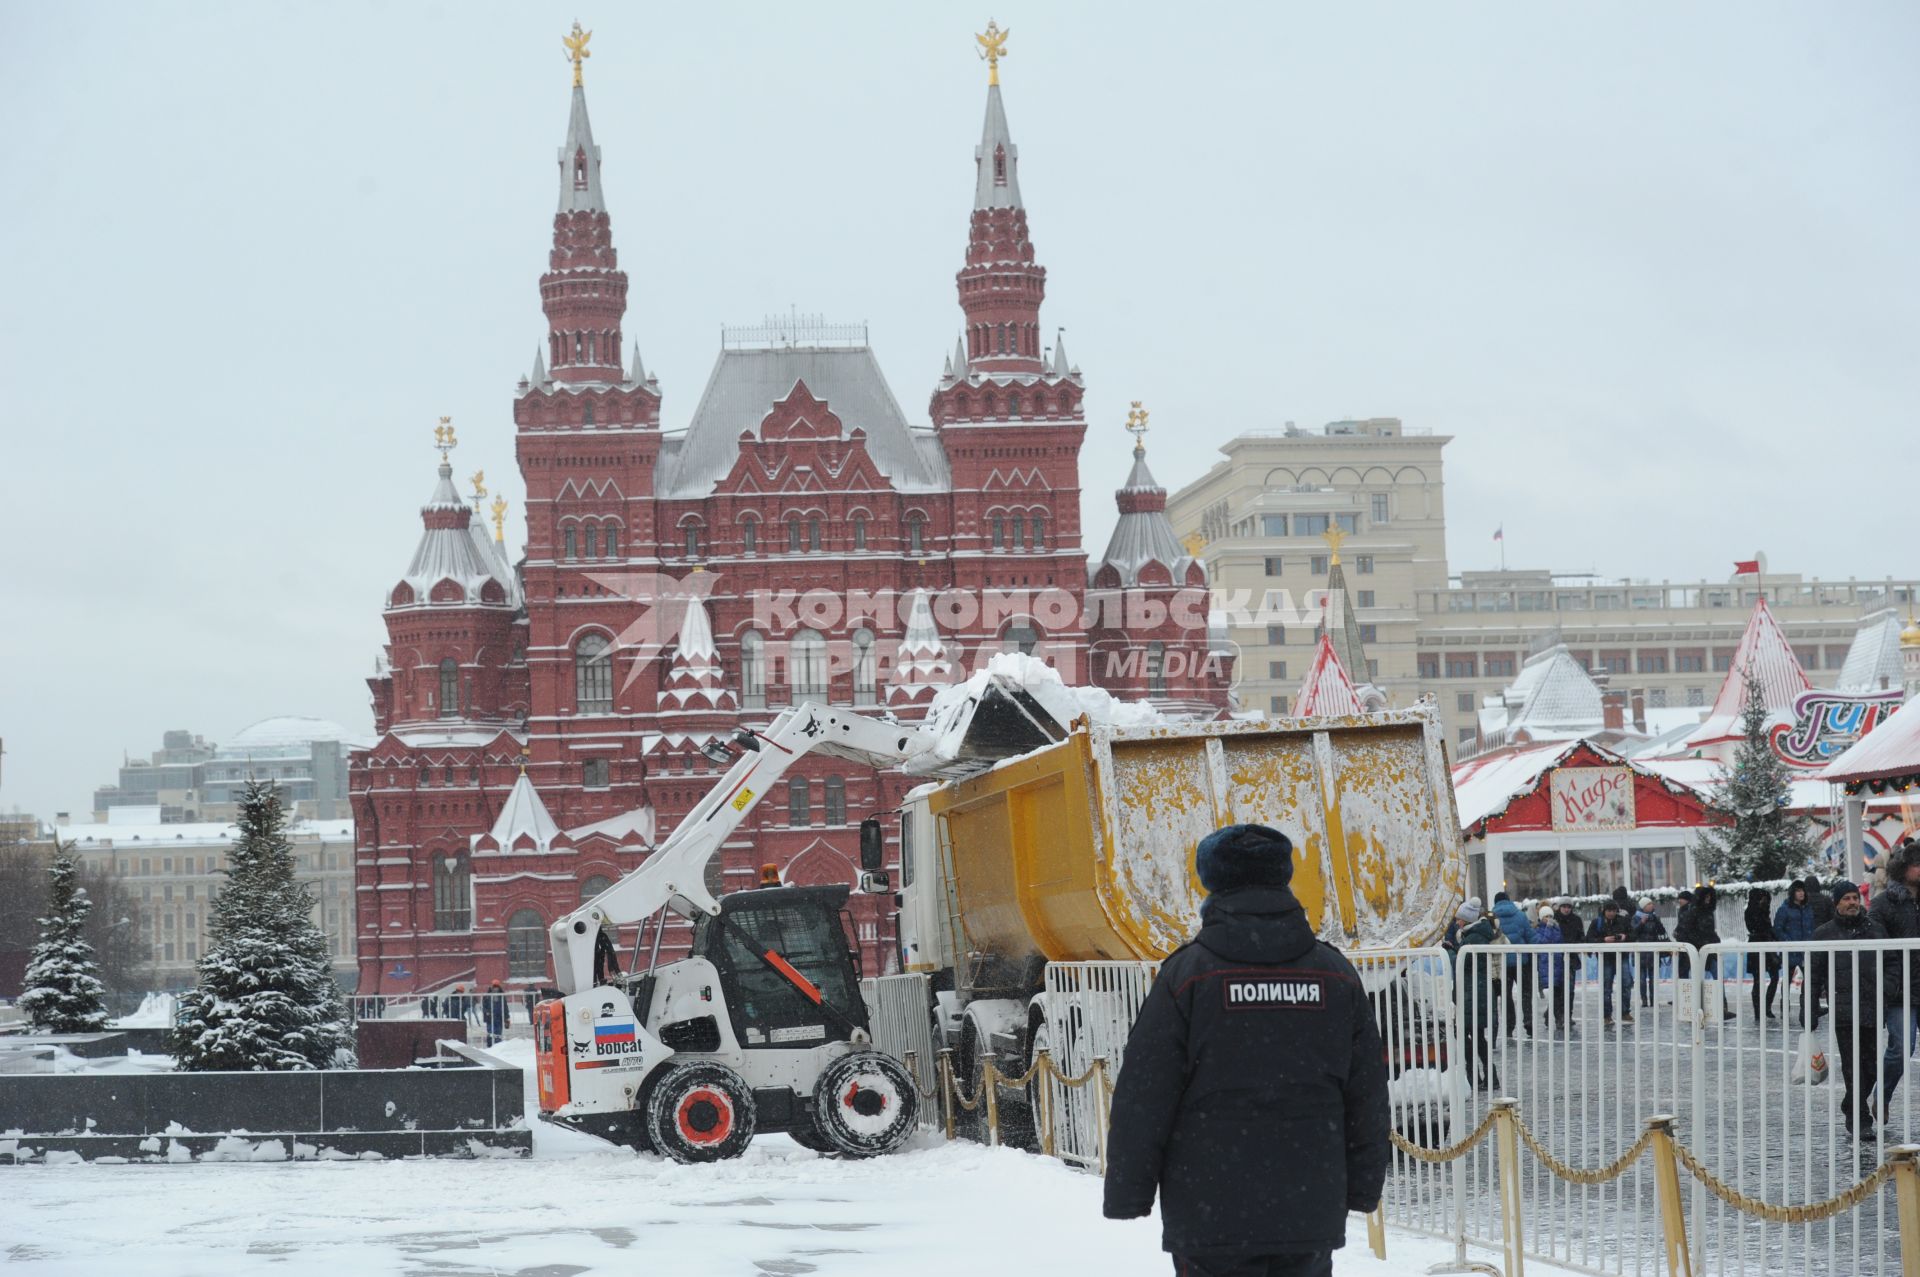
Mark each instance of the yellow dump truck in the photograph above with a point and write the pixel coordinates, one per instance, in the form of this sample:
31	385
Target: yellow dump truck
1083	850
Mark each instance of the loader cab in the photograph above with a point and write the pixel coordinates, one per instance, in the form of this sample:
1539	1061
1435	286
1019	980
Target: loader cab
802	926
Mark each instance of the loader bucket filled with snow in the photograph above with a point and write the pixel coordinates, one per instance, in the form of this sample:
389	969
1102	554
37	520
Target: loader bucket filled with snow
999	721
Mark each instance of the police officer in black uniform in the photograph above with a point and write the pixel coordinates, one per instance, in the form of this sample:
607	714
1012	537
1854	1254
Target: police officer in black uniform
1253	1094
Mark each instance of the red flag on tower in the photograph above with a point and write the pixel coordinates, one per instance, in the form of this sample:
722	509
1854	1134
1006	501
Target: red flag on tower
1500	533
1746	567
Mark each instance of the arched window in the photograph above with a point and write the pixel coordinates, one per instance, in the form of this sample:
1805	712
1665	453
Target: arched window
863	667
613	541
593	540
1000	165
593	675
594	886
859	531
750	535
1039	532
449	688
693	540
999	532
753	670
807	664
836	800
586	412
813	533
916	533
1156	668
799	805
1020	637
526	944
793	534
452	895
1019	532
571	544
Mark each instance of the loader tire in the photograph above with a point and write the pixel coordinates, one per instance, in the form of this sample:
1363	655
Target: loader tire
865	1104
700	1111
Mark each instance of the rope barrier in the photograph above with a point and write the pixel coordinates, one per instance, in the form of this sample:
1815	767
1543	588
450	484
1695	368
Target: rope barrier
1451	1152
1604	1175
1809	1213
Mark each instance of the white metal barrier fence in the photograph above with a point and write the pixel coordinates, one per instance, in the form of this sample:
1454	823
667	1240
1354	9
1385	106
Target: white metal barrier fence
899	1012
1090	1008
1593	1039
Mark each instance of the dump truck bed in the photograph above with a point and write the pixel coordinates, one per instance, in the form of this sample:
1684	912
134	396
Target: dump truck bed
1084	849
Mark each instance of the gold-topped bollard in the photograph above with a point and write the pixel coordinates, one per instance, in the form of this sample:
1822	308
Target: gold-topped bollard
1507	1135
1377	1231
1102	1114
1043	1082
1905	1160
1666	1178
945	1064
990	1079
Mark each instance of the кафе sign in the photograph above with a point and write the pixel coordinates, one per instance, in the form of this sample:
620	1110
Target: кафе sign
1586	798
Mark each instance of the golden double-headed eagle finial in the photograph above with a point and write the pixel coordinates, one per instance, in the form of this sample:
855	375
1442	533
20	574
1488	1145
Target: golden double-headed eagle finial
577	50
444	438
499	509
1137	427
993	47
1333	537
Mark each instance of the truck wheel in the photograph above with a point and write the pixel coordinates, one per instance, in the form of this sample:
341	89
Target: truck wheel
865	1104
700	1111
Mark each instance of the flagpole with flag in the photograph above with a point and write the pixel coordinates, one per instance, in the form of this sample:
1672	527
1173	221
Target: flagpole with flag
1500	535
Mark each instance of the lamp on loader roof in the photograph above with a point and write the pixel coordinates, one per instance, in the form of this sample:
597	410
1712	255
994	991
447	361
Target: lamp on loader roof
717	751
873	857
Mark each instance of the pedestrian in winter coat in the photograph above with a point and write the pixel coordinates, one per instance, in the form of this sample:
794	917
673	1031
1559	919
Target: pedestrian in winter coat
1896	909
1854	980
1513	924
1821	898
1254	1097
1474	927
1611	927
1553	968
494	1013
1646	928
1758	918
1694	925
1794	920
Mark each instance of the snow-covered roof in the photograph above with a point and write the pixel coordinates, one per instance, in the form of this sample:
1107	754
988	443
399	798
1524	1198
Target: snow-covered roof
1890	750
1805	791
1764	650
1326	690
288	737
204	833
451	737
1143	535
1485	787
636	826
449	551
990	191
744	386
1873	658
1555	692
523	825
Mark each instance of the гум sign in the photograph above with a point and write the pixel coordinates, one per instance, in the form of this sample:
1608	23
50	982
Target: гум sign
1592	798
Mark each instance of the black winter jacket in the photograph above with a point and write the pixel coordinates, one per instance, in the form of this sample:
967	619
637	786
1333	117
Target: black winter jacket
1822	902
1695	925
1253	1093
1839	976
1895	909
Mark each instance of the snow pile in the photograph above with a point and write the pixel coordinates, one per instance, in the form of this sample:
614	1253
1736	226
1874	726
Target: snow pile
952	712
156	1011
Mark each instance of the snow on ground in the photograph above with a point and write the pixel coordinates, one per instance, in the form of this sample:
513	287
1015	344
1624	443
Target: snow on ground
579	1208
156	1011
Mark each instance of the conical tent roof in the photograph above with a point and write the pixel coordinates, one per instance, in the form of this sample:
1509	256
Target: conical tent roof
1764	650
524	823
1327	689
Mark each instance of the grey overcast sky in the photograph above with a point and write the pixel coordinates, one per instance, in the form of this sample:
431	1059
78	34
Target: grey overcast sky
1654	267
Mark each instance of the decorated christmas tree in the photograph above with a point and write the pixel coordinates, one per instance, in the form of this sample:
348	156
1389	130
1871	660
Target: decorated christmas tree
63	990
266	998
1759	839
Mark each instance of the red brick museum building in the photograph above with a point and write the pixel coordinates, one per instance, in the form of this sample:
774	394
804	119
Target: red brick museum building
540	716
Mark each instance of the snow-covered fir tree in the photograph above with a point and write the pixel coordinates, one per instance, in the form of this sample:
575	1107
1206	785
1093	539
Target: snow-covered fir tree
266	998
1759	839
63	990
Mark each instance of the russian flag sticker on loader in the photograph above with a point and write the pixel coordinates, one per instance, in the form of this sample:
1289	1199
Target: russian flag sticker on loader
613	1041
